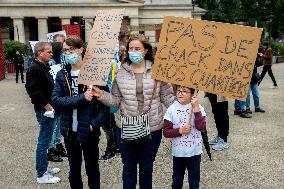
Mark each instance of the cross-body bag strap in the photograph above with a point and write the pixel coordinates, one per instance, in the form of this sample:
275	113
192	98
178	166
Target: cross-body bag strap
153	94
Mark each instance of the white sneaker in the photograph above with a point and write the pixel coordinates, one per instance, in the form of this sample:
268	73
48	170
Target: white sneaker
274	87
221	145
47	179
214	140
52	171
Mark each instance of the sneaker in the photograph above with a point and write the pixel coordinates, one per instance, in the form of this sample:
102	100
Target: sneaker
259	110
107	156
221	145
248	111
214	140
47	178
274	87
245	115
53	171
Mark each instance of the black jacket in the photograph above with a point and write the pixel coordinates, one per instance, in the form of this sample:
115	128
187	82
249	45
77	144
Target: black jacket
255	76
92	113
18	61
39	84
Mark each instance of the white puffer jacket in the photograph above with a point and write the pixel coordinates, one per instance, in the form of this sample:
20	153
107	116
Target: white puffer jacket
123	95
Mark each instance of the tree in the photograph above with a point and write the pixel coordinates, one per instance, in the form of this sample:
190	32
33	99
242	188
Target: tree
11	47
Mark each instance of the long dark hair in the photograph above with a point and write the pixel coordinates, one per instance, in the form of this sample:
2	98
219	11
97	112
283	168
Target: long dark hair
146	45
56	51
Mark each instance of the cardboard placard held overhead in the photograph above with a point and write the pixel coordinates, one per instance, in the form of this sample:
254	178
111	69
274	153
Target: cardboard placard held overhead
101	47
209	56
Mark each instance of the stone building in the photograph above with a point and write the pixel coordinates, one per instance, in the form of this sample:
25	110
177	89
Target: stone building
30	20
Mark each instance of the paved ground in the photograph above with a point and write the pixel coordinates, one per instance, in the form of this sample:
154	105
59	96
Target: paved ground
254	161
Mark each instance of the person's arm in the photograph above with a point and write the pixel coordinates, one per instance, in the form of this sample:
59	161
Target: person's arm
169	131
166	94
199	121
33	87
61	102
109	99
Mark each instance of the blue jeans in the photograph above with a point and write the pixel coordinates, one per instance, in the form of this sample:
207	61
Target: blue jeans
192	164
56	137
141	154
239	105
46	128
253	88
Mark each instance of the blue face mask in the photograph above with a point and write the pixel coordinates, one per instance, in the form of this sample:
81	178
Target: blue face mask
71	58
135	57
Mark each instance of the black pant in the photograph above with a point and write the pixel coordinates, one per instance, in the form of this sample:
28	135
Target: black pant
267	68
192	164
17	74
221	117
109	130
90	151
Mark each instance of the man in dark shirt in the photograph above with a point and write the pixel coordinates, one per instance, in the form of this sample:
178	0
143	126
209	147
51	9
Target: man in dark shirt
19	65
39	87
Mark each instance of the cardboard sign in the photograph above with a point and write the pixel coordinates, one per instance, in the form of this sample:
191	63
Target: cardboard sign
209	56
101	47
51	35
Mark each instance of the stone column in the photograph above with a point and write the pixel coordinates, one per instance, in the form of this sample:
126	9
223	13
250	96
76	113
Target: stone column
89	22
42	28
134	21
65	20
19	29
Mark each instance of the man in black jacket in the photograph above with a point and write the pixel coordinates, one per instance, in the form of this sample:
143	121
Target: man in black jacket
19	65
39	86
81	116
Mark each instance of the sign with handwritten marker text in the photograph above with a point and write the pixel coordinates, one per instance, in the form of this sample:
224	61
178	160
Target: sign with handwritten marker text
101	47
209	56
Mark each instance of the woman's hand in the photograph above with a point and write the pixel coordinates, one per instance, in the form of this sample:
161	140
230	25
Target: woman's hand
97	92
195	104
88	95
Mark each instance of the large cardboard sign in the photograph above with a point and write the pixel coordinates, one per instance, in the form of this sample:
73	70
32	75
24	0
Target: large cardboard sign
209	56
101	47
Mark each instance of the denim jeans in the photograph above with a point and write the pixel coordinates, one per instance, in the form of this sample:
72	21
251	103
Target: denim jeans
46	128
192	164
90	151
253	88
239	105
56	137
141	154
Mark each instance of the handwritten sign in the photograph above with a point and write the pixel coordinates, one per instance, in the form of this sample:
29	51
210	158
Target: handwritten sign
209	56
51	35
101	47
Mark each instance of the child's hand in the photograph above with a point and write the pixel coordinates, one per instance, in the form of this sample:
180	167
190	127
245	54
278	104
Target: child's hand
97	92
195	104
185	129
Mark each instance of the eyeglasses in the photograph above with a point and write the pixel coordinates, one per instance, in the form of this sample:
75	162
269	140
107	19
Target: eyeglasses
71	50
183	91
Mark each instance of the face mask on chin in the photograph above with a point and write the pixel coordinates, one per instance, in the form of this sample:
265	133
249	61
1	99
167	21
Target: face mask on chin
72	58
135	57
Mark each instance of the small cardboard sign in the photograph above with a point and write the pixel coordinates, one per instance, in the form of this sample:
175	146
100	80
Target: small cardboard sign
101	47
209	56
51	35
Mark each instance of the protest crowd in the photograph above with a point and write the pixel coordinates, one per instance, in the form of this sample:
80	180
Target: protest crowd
134	110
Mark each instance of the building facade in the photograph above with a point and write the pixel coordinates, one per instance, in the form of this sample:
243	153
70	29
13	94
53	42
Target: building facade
31	20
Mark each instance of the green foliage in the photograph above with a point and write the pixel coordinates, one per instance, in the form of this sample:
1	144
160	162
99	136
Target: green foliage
278	49
267	14
11	47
